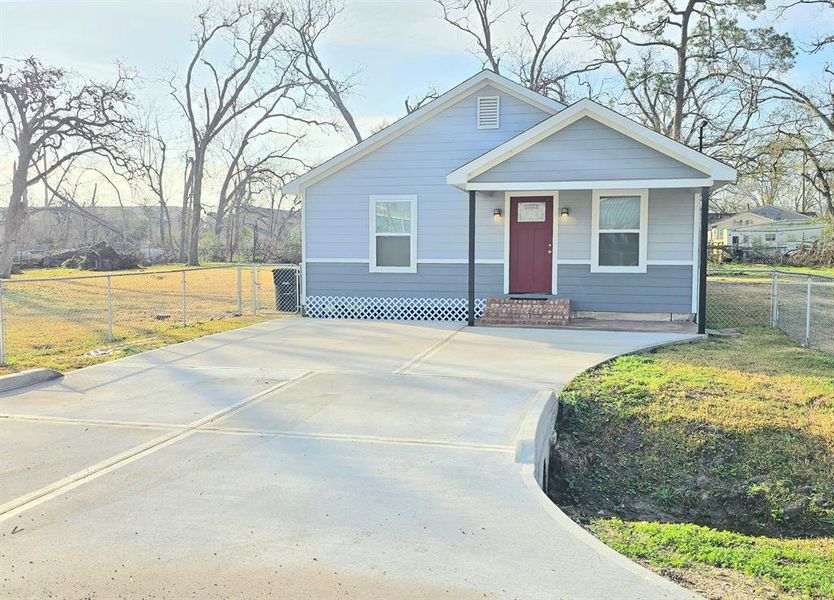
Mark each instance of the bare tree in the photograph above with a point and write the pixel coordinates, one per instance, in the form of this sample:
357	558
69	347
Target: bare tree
686	61
538	62
153	161
418	102
258	151
51	120
185	211
826	40
240	64
477	19
537	58
309	19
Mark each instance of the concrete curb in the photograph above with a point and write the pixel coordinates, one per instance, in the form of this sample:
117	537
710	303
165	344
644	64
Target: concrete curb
533	442
532	451
15	381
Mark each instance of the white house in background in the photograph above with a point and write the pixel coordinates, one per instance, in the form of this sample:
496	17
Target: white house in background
721	232
493	190
784	235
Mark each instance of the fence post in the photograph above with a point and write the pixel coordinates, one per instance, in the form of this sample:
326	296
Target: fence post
184	314
808	315
298	290
2	327
109	309
776	299
239	290
254	289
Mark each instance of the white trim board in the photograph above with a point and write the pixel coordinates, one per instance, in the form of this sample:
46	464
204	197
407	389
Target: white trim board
696	256
303	294
642	231
420	261
373	234
606	184
587	108
650	263
408	122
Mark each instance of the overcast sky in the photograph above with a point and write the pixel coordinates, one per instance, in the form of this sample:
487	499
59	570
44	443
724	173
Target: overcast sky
398	48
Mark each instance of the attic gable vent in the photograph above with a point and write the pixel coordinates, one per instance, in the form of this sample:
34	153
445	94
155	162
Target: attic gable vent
488	112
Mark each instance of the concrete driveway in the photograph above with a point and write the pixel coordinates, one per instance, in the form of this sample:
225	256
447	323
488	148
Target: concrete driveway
302	459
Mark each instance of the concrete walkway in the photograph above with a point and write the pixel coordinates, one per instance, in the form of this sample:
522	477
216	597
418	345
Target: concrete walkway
302	459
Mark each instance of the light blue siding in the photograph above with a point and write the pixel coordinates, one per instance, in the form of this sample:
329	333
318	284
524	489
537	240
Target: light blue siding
430	281
671	224
670	227
661	289
588	150
336	208
574	231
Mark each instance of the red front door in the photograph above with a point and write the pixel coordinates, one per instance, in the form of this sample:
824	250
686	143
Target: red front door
531	245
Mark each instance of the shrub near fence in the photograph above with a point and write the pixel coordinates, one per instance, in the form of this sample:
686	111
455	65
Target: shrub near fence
799	304
82	314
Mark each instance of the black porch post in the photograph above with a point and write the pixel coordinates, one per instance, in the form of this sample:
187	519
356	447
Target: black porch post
470	309
702	262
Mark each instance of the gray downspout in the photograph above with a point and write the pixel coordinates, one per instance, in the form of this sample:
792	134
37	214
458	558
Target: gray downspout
702	262
470	309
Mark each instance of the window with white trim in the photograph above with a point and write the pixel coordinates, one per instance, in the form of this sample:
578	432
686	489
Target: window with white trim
619	228
393	229
489	112
770	237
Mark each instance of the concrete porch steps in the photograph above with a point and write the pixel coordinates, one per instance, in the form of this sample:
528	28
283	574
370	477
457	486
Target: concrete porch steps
527	311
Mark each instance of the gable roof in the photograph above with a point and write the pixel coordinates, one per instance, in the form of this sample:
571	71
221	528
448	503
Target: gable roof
715	171
779	214
408	122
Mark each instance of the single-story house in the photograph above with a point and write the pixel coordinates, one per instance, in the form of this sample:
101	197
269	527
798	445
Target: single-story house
721	231
778	235
493	190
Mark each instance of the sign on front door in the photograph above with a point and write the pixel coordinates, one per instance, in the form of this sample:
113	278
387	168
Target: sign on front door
531	245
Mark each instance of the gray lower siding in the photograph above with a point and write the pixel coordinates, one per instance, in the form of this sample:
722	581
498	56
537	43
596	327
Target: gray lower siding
432	280
662	288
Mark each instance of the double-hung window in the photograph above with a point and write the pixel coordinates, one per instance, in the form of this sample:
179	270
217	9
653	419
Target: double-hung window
393	229
619	224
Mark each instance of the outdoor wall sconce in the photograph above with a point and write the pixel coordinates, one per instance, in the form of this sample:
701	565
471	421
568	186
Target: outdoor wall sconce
497	214
565	212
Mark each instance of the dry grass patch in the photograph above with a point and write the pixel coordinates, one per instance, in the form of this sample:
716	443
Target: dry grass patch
63	322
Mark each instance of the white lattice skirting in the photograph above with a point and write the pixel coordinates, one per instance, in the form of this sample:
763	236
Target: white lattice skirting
390	309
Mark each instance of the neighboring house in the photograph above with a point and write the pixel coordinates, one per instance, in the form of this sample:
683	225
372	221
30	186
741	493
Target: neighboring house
781	235
578	201
721	231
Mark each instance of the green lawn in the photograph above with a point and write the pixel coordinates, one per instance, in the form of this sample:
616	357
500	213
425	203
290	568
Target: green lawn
712	458
826	271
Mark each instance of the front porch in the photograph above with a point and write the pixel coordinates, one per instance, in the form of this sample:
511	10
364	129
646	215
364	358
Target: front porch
550	311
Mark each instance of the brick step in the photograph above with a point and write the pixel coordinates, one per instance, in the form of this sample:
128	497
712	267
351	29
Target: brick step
530	312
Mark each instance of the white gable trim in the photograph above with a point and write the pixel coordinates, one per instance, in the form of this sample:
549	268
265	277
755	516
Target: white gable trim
585	184
408	122
716	170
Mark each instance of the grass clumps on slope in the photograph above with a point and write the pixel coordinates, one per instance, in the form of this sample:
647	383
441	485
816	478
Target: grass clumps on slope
718	443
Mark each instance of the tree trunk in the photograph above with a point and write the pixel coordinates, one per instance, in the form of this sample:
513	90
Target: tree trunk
15	216
186	203
196	207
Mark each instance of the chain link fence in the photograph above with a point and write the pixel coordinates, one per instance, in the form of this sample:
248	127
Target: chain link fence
799	304
87	313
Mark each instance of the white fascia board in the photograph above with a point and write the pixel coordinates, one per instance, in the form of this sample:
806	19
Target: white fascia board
408	122
587	108
612	184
